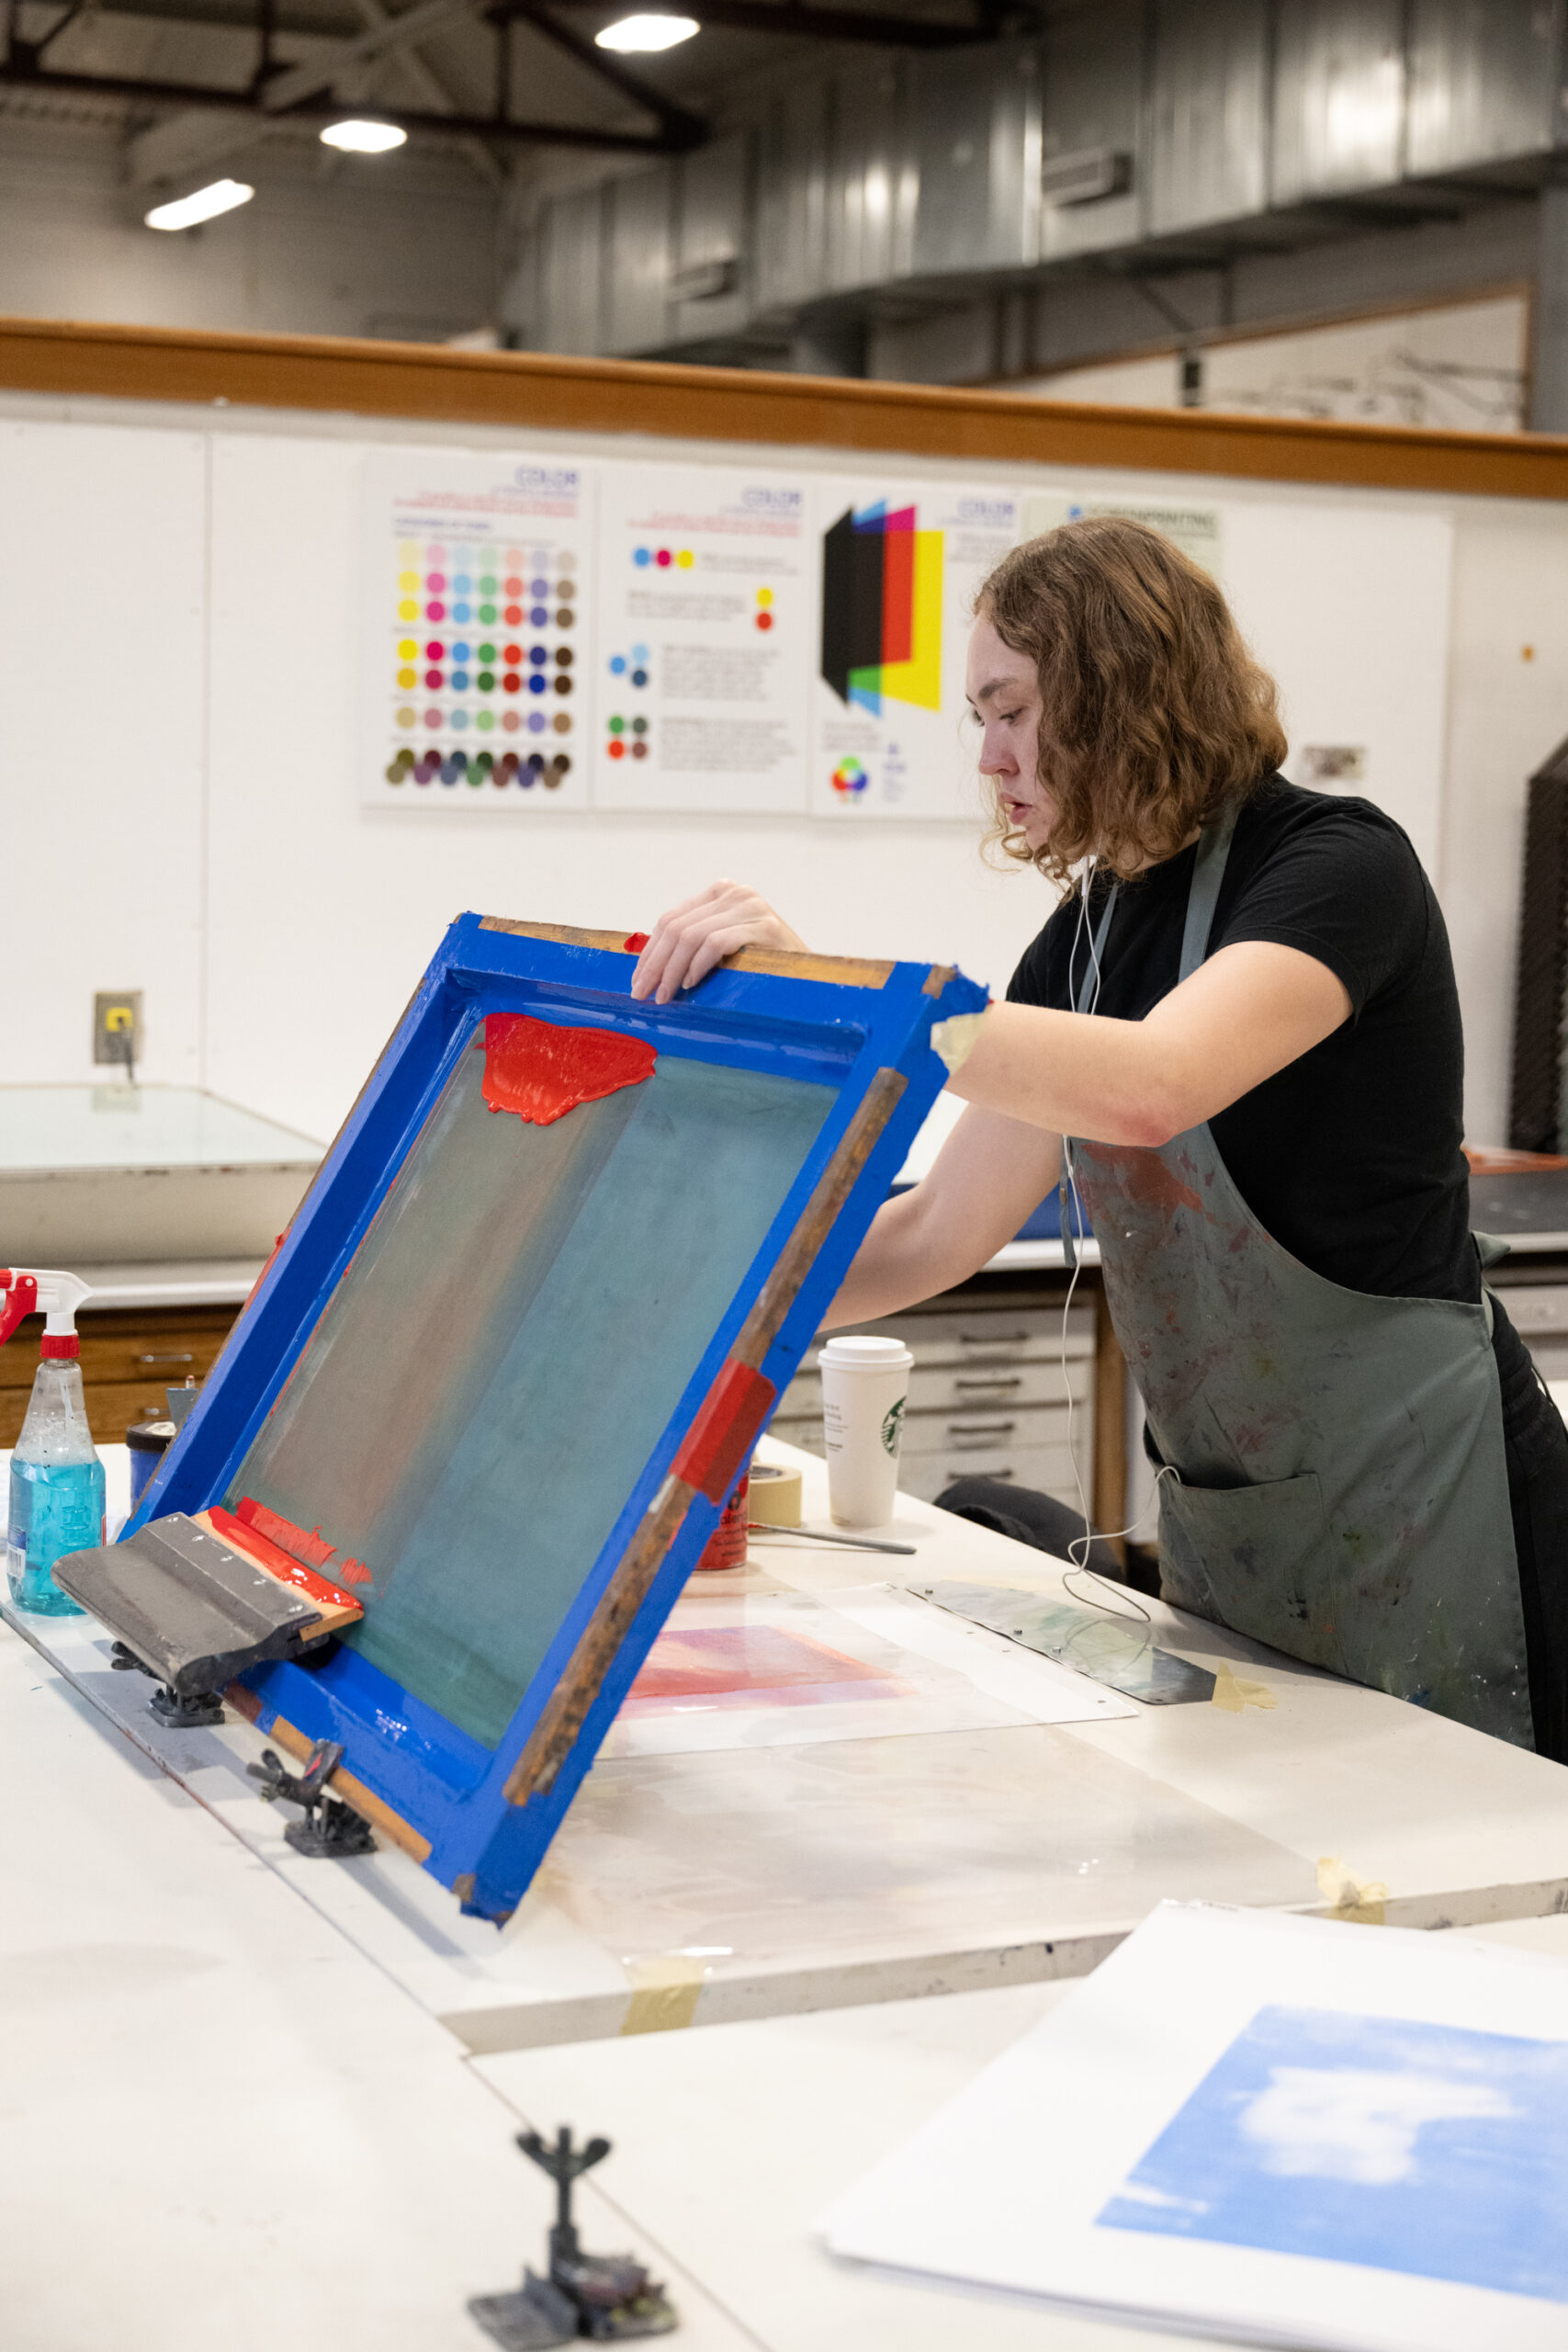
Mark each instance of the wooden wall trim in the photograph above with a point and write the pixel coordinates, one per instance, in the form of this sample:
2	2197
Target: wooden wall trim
537	389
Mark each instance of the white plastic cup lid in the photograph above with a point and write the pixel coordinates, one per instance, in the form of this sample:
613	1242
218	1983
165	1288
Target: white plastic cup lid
867	1354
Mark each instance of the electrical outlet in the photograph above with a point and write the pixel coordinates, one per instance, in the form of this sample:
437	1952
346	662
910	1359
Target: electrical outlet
116	1027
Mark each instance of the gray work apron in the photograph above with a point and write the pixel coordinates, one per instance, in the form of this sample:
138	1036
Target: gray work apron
1334	1480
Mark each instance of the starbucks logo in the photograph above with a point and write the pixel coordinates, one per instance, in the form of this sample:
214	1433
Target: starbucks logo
893	1426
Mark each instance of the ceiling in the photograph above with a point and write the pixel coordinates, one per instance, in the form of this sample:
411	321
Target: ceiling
191	84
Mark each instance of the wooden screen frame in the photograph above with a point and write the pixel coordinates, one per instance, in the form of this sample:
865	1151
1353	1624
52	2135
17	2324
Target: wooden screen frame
479	1820
538	390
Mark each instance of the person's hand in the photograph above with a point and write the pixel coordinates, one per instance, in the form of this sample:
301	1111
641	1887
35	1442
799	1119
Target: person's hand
686	944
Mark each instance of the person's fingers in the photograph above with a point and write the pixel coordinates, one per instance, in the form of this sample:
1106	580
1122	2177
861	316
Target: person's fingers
653	962
681	965
711	953
663	942
690	940
702	953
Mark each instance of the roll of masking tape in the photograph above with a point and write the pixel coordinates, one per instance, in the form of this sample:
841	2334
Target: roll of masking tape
775	1494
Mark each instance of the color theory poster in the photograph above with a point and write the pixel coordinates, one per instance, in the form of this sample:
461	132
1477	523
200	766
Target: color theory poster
706	615
476	598
900	567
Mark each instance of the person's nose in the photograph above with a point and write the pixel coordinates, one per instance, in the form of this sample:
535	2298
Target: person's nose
996	759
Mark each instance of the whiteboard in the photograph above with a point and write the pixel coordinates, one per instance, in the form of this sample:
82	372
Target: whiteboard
540	628
185	735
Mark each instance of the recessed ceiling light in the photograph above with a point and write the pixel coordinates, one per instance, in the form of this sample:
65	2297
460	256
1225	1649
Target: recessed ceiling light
359	137
647	32
189	211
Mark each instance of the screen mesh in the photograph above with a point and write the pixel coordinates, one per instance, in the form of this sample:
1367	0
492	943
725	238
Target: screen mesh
492	1374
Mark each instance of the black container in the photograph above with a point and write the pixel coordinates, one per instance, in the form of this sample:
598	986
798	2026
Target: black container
149	1441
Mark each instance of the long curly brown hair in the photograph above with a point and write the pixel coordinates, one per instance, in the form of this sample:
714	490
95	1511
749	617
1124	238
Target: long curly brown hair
1154	713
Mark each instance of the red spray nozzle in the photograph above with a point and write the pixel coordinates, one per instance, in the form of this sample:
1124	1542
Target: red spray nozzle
23	1300
39	1288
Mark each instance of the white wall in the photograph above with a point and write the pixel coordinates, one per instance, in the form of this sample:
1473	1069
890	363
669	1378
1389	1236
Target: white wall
1460	366
324	913
412	254
1507	710
178	704
102	749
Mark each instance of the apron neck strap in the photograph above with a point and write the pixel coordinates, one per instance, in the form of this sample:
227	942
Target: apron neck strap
1203	897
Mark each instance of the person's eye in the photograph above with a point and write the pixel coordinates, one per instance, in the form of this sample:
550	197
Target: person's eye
1012	717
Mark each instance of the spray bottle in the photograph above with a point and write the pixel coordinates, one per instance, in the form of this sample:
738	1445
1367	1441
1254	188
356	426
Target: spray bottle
57	1479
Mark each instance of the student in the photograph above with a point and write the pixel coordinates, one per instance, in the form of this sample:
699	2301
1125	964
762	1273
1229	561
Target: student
1243	1017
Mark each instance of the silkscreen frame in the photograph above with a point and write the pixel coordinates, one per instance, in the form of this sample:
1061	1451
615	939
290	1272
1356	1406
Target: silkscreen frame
863	1027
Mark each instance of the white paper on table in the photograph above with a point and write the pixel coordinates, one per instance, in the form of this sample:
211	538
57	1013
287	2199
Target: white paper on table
1231	2087
868	1662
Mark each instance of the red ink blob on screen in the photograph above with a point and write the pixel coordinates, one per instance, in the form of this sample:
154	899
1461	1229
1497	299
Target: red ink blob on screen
312	1550
636	942
541	1072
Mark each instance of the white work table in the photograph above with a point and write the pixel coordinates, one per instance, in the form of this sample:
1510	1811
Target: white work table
225	2125
735	2141
707	1888
222	2124
228	2120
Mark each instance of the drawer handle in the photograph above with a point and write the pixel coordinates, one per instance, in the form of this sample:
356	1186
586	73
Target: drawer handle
995	1380
188	1358
981	1429
991	1339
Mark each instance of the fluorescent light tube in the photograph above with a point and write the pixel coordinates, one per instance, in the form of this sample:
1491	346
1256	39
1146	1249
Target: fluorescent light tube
647	32
188	211
360	137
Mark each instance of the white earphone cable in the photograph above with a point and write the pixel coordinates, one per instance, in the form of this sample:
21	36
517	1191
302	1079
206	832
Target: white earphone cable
1073	1206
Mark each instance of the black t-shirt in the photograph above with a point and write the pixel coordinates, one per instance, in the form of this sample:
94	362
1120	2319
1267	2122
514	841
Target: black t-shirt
1351	1157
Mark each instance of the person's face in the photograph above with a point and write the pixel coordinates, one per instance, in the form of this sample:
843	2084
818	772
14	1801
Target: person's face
1004	694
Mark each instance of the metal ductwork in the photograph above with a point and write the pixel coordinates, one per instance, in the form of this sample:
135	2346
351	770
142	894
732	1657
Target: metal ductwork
1140	137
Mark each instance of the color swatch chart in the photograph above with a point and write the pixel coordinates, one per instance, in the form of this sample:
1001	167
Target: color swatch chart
705	594
544	633
475	660
899	570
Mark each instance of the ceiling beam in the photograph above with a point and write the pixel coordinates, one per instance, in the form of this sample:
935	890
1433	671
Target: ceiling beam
283	90
416	121
678	124
798	22
428	85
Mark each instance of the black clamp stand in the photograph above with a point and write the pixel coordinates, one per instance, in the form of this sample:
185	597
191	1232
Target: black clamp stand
330	1828
607	2297
180	1711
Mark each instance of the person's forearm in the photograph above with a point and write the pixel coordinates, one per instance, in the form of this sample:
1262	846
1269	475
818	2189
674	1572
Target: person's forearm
902	1261
1248	1010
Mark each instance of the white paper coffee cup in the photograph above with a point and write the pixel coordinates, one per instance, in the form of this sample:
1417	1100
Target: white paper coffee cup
865	1385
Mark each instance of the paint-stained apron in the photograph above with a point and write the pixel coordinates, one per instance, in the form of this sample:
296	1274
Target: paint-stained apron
1333	1478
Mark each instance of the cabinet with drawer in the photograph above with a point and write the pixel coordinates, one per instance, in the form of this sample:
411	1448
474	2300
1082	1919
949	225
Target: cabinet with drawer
128	1359
991	1393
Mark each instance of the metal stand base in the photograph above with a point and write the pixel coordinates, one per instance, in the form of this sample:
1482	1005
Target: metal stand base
528	2322
331	1828
182	1711
185	1715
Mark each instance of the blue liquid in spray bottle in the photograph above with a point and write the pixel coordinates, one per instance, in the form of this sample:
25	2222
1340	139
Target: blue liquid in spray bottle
57	1479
